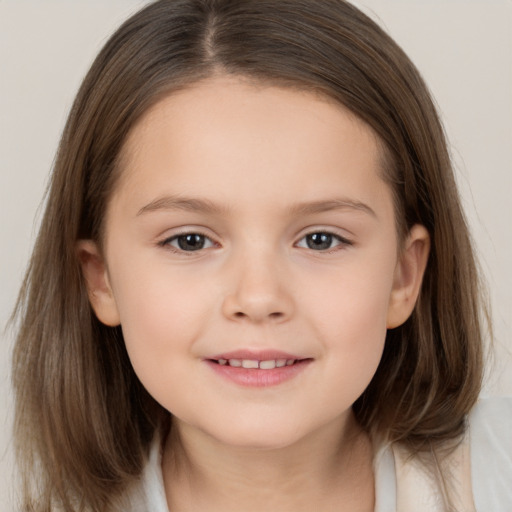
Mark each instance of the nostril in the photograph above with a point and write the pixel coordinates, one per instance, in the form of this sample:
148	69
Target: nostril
274	316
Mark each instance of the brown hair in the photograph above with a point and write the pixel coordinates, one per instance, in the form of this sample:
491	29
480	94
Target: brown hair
84	422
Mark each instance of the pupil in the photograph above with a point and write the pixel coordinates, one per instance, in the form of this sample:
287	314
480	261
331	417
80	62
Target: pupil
191	242
319	241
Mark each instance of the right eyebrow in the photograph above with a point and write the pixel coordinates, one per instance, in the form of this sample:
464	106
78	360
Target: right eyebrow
181	203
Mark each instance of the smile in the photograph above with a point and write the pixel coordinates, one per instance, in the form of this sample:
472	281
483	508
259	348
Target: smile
258	370
254	363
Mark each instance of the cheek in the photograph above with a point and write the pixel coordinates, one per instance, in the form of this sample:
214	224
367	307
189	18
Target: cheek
162	314
349	314
352	302
357	335
159	330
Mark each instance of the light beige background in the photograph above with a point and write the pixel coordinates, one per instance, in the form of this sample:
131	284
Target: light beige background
462	47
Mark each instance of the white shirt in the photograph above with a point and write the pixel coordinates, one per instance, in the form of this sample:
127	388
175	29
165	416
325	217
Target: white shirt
489	445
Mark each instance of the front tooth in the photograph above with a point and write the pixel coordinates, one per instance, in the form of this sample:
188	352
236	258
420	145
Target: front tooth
235	362
267	365
222	361
289	362
280	363
249	363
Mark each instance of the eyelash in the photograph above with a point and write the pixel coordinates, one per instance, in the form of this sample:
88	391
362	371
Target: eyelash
333	237
342	242
166	243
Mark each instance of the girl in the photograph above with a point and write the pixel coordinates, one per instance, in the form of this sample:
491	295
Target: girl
253	285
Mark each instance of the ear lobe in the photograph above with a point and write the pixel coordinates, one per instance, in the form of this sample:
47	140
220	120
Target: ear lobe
96	278
408	276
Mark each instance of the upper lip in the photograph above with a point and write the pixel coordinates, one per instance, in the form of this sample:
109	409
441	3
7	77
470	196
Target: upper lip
256	355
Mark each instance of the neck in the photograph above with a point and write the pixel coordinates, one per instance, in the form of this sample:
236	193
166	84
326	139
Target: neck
331	469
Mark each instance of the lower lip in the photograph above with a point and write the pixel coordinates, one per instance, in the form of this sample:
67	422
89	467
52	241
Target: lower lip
252	377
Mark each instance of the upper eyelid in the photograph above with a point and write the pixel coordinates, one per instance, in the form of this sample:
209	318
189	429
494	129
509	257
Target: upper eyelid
177	232
329	231
342	243
166	243
342	240
170	238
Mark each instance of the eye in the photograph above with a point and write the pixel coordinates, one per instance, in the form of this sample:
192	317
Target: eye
188	242
322	241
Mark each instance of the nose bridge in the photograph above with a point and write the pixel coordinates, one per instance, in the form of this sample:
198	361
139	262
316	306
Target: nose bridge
257	289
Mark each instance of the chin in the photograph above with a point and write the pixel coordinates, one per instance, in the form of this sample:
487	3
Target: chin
260	436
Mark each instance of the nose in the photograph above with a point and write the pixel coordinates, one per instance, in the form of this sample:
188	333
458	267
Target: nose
258	291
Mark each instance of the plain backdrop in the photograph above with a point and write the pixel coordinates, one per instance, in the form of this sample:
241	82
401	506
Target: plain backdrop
462	47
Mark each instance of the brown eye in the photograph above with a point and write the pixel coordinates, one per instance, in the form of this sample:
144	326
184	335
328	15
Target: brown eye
188	242
192	242
322	241
319	241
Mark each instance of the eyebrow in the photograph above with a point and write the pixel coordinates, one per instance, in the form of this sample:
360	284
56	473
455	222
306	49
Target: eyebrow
181	203
332	204
208	207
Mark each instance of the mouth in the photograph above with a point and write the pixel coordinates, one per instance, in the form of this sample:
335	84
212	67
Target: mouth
258	370
267	364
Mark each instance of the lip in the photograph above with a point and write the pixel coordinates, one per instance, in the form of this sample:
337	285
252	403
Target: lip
255	377
257	355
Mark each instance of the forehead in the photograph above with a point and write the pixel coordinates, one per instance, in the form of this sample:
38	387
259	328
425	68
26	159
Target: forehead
227	130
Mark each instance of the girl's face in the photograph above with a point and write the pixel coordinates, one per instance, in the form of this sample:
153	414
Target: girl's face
251	224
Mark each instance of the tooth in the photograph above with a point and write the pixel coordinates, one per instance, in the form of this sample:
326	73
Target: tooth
248	363
267	365
235	362
222	361
289	362
280	363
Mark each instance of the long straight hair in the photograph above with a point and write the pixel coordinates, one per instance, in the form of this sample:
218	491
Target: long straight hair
84	422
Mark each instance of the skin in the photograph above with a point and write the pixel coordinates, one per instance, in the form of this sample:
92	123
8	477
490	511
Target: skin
273	165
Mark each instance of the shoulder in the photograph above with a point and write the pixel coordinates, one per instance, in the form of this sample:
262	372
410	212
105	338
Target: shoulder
481	467
490	433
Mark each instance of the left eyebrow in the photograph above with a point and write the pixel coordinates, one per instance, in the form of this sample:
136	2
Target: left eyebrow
332	204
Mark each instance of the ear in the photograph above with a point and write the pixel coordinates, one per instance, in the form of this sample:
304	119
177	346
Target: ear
96	278
408	276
